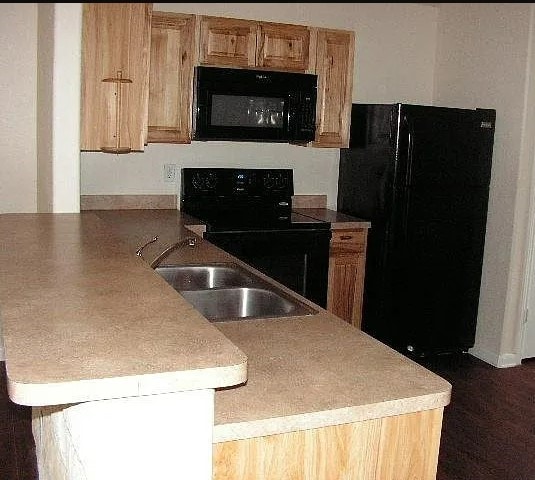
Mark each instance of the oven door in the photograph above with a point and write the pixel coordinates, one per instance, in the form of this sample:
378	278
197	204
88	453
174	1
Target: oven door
298	259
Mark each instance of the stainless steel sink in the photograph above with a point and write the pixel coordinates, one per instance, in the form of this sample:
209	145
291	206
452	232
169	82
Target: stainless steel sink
200	277
225	291
244	302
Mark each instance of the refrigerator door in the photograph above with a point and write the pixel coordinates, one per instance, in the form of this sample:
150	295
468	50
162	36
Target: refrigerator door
438	227
437	265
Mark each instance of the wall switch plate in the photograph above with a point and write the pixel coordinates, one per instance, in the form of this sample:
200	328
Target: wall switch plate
169	173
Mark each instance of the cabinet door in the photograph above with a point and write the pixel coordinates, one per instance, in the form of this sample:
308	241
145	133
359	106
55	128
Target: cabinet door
115	76
283	47
227	42
171	77
347	262
334	67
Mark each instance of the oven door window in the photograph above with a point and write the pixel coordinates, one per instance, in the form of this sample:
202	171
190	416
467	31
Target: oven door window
225	116
247	111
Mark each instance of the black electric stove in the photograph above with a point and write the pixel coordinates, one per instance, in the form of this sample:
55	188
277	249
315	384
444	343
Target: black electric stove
243	199
248	213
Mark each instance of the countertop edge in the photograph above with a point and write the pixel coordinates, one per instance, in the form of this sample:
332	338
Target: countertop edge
338	220
285	424
62	393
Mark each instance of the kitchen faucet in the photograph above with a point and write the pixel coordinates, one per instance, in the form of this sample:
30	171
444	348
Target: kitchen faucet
189	241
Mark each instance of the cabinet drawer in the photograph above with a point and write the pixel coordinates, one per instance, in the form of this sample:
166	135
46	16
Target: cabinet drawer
349	240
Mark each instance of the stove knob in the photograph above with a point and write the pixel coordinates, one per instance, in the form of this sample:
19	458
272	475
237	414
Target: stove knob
272	181
211	181
204	181
197	182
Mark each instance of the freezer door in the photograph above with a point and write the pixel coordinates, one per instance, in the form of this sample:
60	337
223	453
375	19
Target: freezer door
445	146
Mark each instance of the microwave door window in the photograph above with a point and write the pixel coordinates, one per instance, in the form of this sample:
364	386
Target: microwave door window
247	111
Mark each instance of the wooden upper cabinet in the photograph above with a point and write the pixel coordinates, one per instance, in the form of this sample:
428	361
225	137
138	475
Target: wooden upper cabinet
334	67
227	42
234	42
283	47
171	77
115	76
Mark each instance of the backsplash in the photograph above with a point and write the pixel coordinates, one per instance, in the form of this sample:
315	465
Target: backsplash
315	169
146	202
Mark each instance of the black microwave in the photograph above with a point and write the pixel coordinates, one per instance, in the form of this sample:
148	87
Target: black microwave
254	105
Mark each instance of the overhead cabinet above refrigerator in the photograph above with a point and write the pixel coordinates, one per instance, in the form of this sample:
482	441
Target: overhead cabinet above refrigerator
421	175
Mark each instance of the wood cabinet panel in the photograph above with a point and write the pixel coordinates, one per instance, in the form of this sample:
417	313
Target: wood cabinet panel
171	78
115	76
324	453
347	262
403	447
234	42
334	67
409	446
283	47
227	42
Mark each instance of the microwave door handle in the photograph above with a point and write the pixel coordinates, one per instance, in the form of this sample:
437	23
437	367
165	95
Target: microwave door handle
290	117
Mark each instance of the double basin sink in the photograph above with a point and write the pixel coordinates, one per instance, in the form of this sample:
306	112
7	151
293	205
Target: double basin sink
227	291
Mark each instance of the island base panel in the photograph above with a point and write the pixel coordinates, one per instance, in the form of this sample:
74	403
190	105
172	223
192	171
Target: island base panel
401	447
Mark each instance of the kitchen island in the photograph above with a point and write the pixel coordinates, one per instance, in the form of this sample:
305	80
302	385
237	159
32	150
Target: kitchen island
94	330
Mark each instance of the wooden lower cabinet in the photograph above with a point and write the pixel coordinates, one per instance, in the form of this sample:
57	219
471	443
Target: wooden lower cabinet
403	447
347	261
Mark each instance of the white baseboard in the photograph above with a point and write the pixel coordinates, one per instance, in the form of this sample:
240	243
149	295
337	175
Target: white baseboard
503	360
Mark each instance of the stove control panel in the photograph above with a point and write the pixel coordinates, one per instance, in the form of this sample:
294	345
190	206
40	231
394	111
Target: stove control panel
236	182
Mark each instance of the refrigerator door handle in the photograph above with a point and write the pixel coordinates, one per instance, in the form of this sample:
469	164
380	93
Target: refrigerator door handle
410	150
408	174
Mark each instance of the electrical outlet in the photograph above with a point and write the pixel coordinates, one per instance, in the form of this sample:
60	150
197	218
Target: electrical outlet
169	172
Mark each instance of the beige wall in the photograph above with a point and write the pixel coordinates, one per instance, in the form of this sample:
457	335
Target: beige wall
482	61
18	65
394	61
45	97
65	116
40	75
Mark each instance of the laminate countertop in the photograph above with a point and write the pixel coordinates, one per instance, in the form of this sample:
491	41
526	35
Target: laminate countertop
85	318
338	220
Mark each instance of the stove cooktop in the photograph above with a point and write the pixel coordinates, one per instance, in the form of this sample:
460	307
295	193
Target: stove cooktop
294	221
243	199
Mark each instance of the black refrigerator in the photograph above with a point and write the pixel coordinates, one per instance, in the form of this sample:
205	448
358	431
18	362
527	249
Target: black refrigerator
420	175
